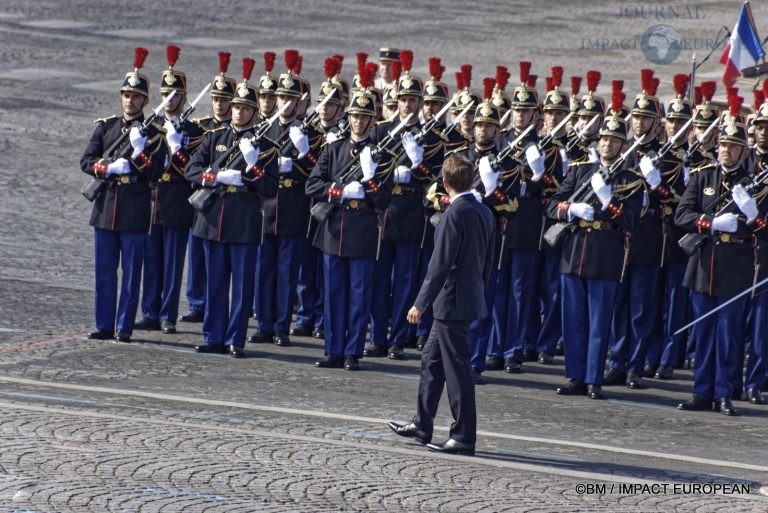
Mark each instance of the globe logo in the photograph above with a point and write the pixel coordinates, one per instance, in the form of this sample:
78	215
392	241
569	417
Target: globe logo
661	44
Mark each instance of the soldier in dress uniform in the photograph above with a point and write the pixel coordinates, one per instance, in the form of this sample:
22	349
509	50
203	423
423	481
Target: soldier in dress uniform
172	214
267	88
703	117
404	222
723	266
349	235
386	57
231	223
121	208
462	137
593	255
222	91
500	97
590	105
286	215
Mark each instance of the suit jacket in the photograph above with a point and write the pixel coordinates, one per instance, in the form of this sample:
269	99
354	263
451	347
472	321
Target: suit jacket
461	263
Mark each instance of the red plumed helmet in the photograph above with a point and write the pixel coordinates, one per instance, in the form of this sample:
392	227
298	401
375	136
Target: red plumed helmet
734	105
290	59
617	101
459	81
248	65
466	75
329	67
406	60
299	64
172	53
224	61
362	57
532	81
433	63
139	56
397	68
548	81
269	61
525	71
654	86
708	89
372	68
680	83
646	80
575	85
593	80
366	76
488	84
502	77
617	85
697	96
557	76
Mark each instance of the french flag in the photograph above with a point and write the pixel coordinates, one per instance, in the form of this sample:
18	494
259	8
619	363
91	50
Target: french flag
743	49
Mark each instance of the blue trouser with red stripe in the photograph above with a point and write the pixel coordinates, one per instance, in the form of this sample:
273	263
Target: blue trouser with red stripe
347	303
482	331
163	267
195	273
551	330
675	316
758	360
278	270
309	287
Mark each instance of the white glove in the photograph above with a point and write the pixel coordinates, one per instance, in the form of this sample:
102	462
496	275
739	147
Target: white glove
488	176
402	175
286	165
477	196
367	164
745	202
173	137
138	141
413	149
686	175
566	161
353	190
582	210
650	172
535	161
119	167
725	223
299	140
593	156
602	189
332	137
230	177
250	154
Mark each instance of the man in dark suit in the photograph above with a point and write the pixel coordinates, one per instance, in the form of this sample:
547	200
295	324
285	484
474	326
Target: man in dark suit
459	268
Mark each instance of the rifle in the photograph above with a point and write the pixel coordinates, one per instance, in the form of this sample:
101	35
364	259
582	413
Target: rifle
547	139
283	142
696	145
202	198
576	136
450	128
497	159
667	146
177	123
352	171
691	242
120	149
556	232
425	129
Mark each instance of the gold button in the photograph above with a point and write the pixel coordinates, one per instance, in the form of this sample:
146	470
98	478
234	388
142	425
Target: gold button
166	177
397	189
667	210
231	188
583	223
596	225
725	237
124	179
287	182
354	203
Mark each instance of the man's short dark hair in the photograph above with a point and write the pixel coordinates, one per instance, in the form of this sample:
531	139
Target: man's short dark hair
458	173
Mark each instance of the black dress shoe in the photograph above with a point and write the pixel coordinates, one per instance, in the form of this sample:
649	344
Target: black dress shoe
301	330
696	403
101	335
261	337
649	370
559	348
147	324
211	349
613	377
330	362
755	396
396	353
318	333
351	363
281	339
410	431
689	364
451	446
477	376
494	363
236	352
665	372
421	342
574	387
411	341
168	327
513	366
725	406
530	355
374	350
192	316
123	336
634	381
595	392
546	358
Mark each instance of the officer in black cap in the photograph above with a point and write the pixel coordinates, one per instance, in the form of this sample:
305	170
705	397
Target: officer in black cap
121	208
222	92
231	222
171	212
386	57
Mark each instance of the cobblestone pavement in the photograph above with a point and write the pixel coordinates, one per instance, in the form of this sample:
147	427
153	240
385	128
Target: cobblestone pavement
152	427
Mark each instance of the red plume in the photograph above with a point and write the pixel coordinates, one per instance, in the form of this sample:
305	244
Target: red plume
248	65
525	70
575	85
759	98
172	55
290	59
557	76
269	61
397	68
372	68
299	63
765	88
617	96
731	91
593	80
329	67
502	77
734	105
697	96
680	83
339	58
139	56
361	58
406	60
532	81
708	89
440	72
548	82
433	63
366	76
646	80
488	84
617	85
224	61
654	86
459	81
466	75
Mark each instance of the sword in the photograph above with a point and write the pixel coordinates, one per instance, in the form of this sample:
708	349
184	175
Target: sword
189	110
456	120
551	135
504	118
444	110
576	137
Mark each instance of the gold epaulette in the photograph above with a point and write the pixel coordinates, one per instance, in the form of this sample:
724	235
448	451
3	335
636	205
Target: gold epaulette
454	151
703	168
101	120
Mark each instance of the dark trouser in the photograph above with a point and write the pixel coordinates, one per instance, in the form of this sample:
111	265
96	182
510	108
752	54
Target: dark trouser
551	330
278	270
195	273
758	360
347	303
163	267
425	323
483	331
228	263
587	308
716	338
676	304
110	249
309	287
518	291
445	361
